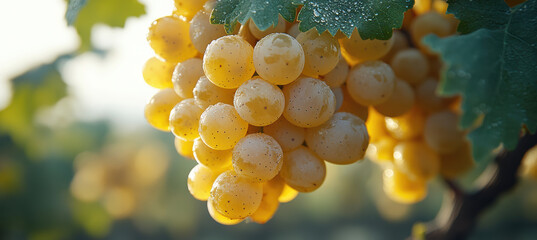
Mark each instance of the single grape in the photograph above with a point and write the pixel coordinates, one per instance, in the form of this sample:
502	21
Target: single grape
169	38
355	49
442	133
279	28
188	8
303	170
259	102
371	83
425	24
234	196
219	218
185	118
186	75
309	102
383	149
341	140
221	127
202	32
376	126
400	102
338	75
200	182
184	148
207	94
288	194
403	189
416	160
269	204
216	160
407	126
410	65
228	61
321	52
286	134
528	169
278	58
157	110
158	73
257	156
244	33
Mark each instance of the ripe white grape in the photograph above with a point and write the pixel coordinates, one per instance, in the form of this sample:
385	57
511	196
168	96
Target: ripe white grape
216	160
207	94
200	181
278	58
403	189
371	83
303	170
355	49
188	8
202	32
184	148
321	52
235	196
184	119
416	160
338	75
425	24
286	134
158	73
279	28
257	156
157	110
407	126
351	106
186	75
221	127
309	102
400	102
341	140
169	38
259	102
228	61
410	65
219	218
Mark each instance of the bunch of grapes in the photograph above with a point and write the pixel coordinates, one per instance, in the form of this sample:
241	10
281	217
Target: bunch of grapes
262	111
118	177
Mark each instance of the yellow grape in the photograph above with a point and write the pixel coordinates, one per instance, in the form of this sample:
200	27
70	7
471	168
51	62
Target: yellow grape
184	148
410	65
309	102
259	102
350	106
219	218
269	204
207	94
442	133
221	127
321	52
157	110
341	140
416	160
528	169
257	156
235	196
169	38
288	194
428	99
202	32
303	170
338	75
185	77
200	182
371	83
244	33
279	28
185	118
286	134
384	149
355	49
425	24
403	189
400	102
400	42
228	61
376	126
460	161
407	126
278	58
188	8
216	160
158	73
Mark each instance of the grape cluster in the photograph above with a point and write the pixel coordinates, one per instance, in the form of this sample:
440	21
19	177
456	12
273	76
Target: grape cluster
263	111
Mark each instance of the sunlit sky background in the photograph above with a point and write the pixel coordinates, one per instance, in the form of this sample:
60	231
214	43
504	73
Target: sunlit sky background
35	32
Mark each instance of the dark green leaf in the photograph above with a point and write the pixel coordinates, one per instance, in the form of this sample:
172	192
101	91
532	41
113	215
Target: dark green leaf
111	13
264	13
73	9
476	14
496	73
374	19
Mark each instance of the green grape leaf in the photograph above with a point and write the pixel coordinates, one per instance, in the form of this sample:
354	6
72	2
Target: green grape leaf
111	13
495	71
73	9
34	90
264	13
374	19
476	14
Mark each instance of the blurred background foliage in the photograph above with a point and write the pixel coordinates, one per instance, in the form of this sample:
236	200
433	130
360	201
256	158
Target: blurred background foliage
67	178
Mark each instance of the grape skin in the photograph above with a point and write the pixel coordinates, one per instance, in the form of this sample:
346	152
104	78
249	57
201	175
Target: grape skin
207	94
303	170
410	65
219	218
371	83
169	38
355	49
234	196
338	75
286	134
200	182
259	102
221	127
157	110
216	160
257	156
400	102
350	106
407	126
184	148
321	52
188	8
403	189
158	73
416	160
202	32
184	119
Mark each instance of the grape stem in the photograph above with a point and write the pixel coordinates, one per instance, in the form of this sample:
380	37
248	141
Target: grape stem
460	210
